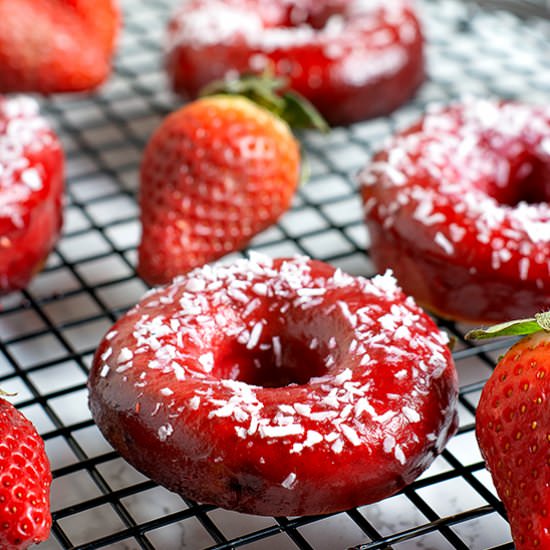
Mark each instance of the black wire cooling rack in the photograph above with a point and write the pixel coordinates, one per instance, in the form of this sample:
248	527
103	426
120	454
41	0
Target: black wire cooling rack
48	333
523	8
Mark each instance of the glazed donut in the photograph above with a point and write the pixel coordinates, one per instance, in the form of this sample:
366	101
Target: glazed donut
31	191
352	59
276	387
458	206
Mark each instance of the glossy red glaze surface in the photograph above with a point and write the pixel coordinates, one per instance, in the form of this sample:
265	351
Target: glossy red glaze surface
281	387
458	207
31	191
352	60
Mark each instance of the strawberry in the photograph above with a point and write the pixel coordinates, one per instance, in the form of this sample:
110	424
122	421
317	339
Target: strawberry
25	479
50	46
513	429
214	174
31	191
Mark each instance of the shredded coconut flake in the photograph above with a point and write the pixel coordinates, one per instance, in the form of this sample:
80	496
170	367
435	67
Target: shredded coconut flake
444	243
289	481
207	361
459	160
104	371
255	335
165	431
338	410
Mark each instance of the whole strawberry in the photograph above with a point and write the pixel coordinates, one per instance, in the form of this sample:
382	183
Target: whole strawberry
214	174
49	46
513	429
25	480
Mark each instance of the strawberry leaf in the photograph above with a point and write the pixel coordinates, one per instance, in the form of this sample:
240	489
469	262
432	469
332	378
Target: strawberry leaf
300	113
261	90
519	327
272	93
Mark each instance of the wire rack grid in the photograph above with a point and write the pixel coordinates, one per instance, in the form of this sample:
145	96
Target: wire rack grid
523	8
49	332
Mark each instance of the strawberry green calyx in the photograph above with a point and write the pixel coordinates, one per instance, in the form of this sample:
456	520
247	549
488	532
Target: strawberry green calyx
520	327
272	93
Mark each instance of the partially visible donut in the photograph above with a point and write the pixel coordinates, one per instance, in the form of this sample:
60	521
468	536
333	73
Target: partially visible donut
281	387
352	59
459	207
31	191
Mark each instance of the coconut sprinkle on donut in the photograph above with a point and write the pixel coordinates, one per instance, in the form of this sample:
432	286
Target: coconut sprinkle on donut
31	188
323	362
469	185
22	132
351	59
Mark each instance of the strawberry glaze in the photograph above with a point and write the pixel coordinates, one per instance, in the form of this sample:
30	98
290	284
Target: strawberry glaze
352	59
31	189
276	387
458	207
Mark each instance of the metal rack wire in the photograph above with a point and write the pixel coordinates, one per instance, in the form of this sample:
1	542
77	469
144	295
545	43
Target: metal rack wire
523	8
48	333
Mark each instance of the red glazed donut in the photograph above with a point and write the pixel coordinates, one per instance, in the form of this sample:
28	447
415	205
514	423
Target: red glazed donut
458	207
281	387
352	59
31	189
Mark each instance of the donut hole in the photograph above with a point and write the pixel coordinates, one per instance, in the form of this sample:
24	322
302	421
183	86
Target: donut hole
289	361
316	16
528	182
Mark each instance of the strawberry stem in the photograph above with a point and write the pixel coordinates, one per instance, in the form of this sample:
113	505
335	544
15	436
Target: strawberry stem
519	327
272	93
